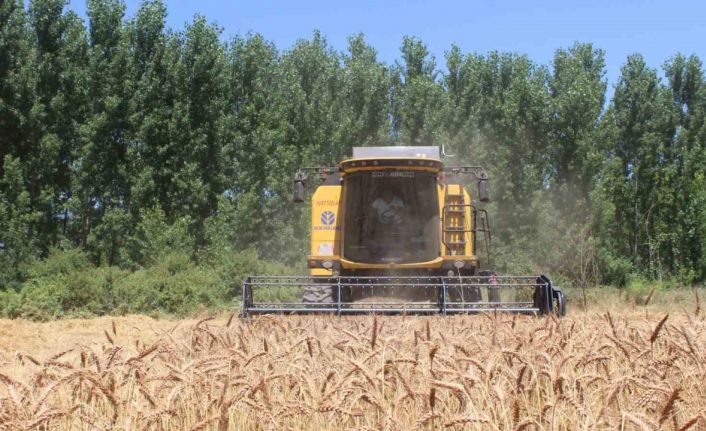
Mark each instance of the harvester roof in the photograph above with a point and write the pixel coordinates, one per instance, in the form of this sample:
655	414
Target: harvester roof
415	157
396	152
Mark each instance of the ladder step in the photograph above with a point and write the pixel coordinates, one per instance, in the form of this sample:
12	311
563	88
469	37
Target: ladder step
456	229
454	195
451	243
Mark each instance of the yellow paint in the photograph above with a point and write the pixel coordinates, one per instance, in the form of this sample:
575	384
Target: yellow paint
326	223
348	264
456	220
471	259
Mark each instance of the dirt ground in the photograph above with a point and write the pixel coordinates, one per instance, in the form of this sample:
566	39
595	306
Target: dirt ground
41	340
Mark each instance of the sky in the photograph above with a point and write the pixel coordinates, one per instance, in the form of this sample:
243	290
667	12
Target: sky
656	29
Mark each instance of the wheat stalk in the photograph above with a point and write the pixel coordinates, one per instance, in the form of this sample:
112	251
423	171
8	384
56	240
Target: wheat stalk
668	408
657	329
490	372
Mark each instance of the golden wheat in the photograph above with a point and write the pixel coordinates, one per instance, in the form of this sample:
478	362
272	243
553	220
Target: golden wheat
627	370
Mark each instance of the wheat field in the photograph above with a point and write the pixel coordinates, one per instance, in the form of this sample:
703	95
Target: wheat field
641	369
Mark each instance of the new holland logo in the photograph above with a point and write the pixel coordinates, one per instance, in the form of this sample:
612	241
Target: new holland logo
328	218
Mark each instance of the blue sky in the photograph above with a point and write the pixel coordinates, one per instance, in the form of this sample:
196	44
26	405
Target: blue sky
656	29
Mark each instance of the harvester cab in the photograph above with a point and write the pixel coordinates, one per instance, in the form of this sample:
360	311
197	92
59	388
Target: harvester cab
395	231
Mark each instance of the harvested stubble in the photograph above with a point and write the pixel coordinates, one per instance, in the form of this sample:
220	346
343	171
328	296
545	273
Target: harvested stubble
587	371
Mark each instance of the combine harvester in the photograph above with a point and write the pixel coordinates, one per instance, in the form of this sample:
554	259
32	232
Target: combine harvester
394	231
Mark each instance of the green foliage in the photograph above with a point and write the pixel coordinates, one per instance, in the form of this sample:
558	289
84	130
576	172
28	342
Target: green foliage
18	221
577	91
616	270
59	263
67	284
63	284
154	238
175	286
160	160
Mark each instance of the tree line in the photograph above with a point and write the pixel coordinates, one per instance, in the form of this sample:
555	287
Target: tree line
126	140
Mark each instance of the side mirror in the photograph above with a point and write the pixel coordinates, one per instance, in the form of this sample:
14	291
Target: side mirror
299	193
483	190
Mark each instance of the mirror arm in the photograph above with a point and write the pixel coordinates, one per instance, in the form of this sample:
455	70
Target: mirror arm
476	171
301	177
479	173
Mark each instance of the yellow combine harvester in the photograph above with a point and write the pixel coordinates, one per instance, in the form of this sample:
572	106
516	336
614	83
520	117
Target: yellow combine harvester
394	231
